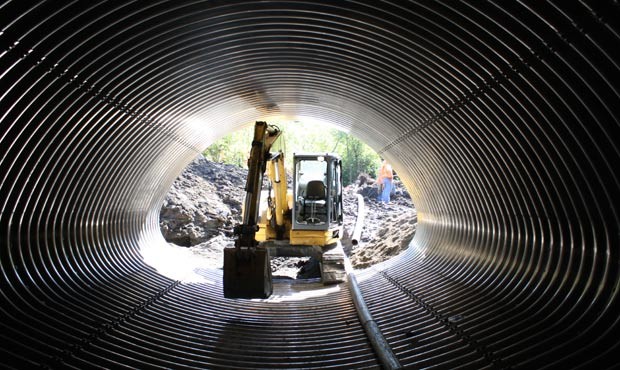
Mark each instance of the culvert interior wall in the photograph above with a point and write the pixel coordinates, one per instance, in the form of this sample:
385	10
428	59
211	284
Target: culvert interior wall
499	117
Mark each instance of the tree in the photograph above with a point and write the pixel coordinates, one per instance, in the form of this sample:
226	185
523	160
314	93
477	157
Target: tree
231	149
357	157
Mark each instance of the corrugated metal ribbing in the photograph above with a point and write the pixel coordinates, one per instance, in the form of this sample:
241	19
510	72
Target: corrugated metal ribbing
500	117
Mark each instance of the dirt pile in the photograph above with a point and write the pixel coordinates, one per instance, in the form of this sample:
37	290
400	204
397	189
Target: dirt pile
205	202
388	228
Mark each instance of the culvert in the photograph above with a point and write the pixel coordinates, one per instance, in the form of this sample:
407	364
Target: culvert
499	117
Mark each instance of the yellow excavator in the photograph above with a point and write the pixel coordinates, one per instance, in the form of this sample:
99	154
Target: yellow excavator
306	220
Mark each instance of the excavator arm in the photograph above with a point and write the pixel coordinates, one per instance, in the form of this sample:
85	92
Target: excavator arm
247	270
276	222
264	137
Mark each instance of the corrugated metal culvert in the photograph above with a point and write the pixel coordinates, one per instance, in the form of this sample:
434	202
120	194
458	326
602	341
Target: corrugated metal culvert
499	117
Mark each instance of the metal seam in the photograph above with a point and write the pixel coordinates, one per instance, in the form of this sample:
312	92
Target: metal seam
98	94
453	327
106	328
487	86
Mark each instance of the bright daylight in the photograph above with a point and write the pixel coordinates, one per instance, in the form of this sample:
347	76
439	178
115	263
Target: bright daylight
205	203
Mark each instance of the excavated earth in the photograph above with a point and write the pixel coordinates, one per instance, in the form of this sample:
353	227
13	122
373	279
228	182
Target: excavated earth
205	201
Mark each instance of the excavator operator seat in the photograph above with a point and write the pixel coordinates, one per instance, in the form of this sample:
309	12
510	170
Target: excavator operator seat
315	196
317	191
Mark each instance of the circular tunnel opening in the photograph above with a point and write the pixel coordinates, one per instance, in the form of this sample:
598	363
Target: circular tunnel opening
206	201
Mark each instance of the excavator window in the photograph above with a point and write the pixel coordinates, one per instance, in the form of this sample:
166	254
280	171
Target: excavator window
311	191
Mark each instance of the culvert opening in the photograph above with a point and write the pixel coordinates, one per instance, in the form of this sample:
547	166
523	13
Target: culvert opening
205	202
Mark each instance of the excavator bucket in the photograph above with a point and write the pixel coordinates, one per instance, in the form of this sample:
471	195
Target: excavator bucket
247	273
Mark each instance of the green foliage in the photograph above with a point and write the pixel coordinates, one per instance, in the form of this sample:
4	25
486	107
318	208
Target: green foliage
298	137
357	157
232	149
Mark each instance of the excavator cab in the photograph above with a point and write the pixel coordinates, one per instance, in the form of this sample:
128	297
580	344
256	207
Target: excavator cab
317	190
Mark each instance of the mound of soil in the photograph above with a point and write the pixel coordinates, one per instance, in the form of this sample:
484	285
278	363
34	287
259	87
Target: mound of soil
388	227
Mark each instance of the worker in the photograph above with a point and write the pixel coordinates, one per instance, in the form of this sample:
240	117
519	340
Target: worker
385	181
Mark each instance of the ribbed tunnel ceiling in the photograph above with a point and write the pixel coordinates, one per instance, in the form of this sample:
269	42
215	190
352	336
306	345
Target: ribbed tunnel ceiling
501	118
